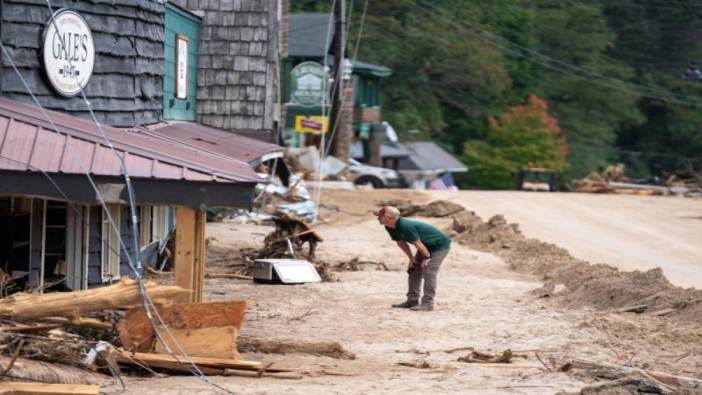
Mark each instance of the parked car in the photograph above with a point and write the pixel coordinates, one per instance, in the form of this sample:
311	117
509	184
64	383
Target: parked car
378	177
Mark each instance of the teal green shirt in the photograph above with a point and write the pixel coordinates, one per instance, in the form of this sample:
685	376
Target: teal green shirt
411	231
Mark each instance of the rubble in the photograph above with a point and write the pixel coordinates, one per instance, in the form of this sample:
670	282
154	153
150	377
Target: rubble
297	233
437	208
579	283
614	180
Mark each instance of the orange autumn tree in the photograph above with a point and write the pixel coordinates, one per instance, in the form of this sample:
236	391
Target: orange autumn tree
524	135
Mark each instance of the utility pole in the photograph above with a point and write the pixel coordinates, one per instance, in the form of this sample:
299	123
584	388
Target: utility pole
339	116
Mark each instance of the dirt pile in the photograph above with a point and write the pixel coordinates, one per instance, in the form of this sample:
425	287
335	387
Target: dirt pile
437	208
574	282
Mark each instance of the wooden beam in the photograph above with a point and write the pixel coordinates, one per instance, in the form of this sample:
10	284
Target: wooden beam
21	388
123	294
185	253
169	362
200	256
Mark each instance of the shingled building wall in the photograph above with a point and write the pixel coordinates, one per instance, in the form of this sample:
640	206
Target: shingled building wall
237	67
126	87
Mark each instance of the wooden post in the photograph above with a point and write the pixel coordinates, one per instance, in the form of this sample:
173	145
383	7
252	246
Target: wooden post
190	251
200	255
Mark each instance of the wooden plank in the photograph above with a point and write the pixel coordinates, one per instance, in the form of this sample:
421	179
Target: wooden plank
185	249
168	362
219	342
200	258
136	331
21	388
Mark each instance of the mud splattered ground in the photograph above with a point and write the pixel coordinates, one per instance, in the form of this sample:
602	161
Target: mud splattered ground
481	303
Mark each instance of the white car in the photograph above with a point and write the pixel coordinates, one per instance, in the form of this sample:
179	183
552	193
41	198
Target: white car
378	177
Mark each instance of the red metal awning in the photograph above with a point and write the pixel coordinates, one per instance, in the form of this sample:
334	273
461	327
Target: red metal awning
28	142
213	140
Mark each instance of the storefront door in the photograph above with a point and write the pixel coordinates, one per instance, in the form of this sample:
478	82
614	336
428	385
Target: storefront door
180	81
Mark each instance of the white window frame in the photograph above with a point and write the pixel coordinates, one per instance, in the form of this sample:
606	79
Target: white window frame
159	223
109	241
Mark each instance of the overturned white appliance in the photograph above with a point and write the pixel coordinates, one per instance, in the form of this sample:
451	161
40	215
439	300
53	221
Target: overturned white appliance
286	271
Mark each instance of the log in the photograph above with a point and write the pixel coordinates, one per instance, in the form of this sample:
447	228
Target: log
121	295
29	328
137	334
219	342
680	382
31	370
22	388
84	322
327	349
248	373
171	363
228	275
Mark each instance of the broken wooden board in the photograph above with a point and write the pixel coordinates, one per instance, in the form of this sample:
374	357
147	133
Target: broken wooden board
22	388
219	342
171	363
123	294
137	334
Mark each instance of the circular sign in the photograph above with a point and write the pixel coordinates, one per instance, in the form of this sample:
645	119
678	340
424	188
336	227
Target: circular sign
68	52
310	84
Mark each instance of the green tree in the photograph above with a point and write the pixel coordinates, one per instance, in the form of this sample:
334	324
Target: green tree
523	136
586	87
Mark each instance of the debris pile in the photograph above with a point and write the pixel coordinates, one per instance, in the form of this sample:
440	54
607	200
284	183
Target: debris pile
308	162
628	380
437	208
575	282
614	180
292	238
357	265
276	198
56	338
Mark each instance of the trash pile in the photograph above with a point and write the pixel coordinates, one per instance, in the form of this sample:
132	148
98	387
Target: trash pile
84	337
309	164
275	198
614	180
292	238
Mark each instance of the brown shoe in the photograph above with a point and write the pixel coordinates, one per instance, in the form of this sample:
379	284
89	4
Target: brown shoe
406	305
422	307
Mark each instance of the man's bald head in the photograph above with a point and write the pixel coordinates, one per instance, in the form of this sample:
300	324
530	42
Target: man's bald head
387	215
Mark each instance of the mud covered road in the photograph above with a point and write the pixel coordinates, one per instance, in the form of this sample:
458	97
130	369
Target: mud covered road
628	232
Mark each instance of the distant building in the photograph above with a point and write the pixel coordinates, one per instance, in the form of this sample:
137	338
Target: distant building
423	164
310	40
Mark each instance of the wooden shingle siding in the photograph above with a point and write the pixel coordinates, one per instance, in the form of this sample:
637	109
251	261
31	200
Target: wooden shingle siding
126	87
237	69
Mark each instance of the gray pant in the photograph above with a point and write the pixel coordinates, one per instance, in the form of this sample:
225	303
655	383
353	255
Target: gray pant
429	275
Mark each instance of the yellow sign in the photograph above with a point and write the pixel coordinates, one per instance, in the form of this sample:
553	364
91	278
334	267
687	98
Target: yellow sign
311	123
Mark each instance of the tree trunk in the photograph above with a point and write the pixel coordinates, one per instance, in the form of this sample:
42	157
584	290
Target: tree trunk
67	304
